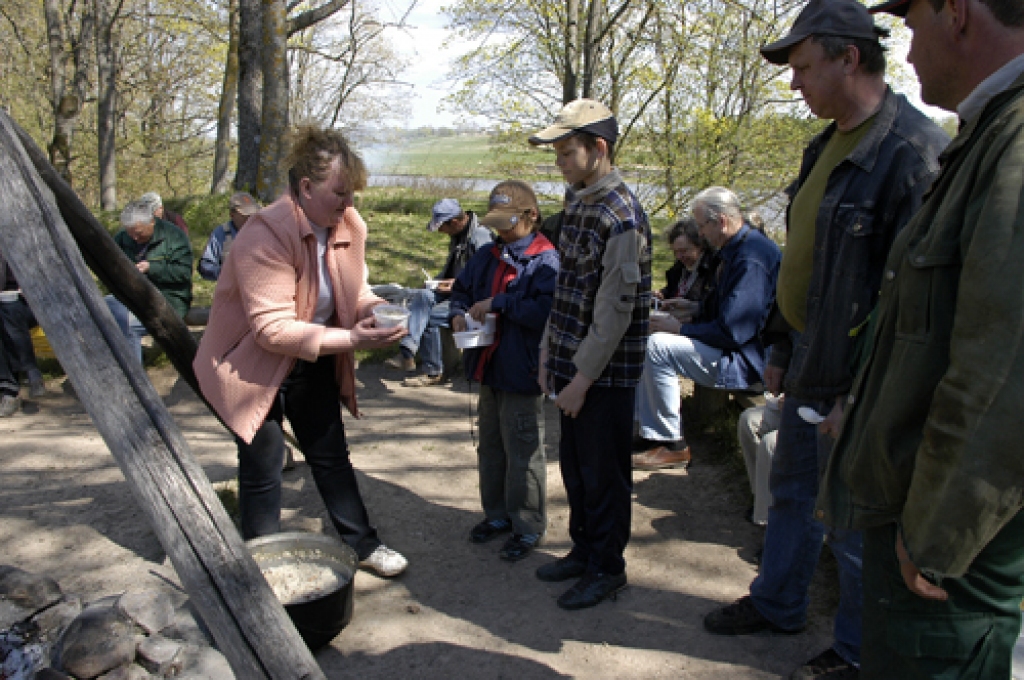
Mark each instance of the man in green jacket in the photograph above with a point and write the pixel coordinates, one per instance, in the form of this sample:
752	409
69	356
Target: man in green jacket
163	254
928	462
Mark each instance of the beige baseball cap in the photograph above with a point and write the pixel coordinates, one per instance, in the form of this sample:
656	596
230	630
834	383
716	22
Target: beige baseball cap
508	201
582	115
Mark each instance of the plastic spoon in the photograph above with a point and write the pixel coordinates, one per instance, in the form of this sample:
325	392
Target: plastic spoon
810	415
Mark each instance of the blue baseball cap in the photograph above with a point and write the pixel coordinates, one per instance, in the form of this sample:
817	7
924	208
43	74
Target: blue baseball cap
444	210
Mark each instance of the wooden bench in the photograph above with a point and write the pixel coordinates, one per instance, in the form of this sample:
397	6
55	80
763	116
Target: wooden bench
710	400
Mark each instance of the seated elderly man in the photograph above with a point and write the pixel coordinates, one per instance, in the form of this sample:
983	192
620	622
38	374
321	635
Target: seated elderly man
428	309
240	207
162	253
721	346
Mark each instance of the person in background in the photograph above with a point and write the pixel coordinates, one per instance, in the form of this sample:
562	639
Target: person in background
514	279
156	204
692	275
17	322
240	207
719	345
161	252
429	309
757	429
860	181
291	307
593	348
928	462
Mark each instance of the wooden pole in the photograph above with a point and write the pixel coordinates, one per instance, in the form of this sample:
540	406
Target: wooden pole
249	625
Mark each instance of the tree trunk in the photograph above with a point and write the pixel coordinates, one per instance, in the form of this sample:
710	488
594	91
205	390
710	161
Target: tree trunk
228	92
572	36
270	180
106	110
590	48
250	93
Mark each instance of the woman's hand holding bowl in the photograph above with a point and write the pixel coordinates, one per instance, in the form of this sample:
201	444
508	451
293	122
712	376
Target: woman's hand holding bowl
365	335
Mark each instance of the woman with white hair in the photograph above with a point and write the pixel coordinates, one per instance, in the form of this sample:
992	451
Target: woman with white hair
162	253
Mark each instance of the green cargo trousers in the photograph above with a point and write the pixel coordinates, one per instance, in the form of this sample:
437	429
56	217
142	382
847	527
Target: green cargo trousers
971	635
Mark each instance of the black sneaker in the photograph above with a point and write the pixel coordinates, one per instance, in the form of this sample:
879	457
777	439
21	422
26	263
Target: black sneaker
562	569
826	666
489	529
518	546
741	618
591	589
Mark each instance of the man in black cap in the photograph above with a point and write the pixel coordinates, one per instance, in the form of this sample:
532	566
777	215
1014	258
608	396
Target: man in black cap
928	463
859	183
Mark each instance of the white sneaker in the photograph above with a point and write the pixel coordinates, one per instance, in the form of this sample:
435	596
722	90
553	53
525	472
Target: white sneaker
385	561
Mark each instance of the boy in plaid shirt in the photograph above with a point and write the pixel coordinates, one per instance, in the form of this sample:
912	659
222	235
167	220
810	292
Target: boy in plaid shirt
593	348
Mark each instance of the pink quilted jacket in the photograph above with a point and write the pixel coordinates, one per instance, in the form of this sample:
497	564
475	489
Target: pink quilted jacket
260	322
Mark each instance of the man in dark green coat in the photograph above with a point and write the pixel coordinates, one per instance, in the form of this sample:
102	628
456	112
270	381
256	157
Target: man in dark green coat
163	254
929	460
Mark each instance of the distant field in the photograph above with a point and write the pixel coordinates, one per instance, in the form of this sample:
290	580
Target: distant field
457	156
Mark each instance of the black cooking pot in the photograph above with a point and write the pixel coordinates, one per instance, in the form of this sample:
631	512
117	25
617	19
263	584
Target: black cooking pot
318	621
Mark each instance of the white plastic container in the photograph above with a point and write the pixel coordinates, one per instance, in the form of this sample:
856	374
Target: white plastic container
472	339
9	295
389	316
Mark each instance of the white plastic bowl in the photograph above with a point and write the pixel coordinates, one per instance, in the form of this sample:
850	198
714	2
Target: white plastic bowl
9	295
389	316
471	339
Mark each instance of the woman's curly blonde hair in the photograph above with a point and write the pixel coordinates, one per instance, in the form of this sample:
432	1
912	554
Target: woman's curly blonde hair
311	151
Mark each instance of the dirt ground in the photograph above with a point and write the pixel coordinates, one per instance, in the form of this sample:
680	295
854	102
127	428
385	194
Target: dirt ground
458	611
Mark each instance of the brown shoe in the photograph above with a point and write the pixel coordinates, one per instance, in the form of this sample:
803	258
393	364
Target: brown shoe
661	458
425	380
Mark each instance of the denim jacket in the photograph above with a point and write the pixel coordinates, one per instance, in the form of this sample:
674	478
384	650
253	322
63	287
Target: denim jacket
869	197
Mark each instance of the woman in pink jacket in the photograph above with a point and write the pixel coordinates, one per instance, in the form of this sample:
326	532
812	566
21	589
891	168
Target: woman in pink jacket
291	306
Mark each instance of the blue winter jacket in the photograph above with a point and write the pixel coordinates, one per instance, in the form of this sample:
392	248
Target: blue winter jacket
522	309
732	317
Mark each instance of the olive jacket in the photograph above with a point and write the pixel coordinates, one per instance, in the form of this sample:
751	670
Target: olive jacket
170	262
931	436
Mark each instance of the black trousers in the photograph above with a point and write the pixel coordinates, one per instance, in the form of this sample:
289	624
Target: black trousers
308	397
595	458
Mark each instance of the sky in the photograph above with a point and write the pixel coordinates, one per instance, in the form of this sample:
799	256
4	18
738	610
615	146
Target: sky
422	44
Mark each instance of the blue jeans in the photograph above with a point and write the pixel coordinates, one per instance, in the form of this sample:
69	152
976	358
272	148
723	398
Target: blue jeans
426	317
130	326
793	539
657	396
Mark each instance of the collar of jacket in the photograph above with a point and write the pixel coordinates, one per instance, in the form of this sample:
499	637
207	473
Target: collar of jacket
968	130
341	235
598	190
865	155
734	243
